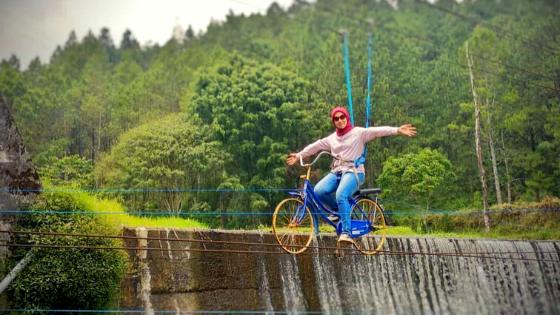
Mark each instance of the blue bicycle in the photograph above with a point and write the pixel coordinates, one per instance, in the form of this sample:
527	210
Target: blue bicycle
296	219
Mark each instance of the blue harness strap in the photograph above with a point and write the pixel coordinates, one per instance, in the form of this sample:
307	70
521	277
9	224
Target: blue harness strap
346	55
369	78
362	159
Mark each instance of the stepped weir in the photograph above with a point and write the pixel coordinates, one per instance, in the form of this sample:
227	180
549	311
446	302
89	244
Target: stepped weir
418	276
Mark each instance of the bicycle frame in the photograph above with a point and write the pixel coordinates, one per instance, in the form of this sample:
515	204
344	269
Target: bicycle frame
318	210
291	221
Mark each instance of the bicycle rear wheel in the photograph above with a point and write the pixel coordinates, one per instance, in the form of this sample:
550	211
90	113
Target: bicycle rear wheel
368	209
292	225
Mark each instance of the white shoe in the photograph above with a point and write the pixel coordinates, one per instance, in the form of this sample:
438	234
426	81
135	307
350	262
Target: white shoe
333	217
345	238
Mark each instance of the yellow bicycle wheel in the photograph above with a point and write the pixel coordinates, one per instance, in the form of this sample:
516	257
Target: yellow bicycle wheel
367	209
292	225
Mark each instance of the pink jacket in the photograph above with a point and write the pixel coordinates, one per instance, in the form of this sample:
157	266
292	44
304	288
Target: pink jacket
349	147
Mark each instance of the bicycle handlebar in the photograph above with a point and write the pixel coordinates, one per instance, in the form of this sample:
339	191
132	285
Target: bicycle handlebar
316	158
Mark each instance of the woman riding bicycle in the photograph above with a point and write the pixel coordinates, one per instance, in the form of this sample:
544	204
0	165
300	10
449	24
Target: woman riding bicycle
346	175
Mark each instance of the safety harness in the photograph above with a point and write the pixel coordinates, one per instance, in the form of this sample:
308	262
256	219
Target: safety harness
345	51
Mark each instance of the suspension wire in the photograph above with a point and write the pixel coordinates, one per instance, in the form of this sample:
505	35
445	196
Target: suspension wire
411	35
421	38
191	240
141	248
205	190
490	255
347	75
428	40
237	251
186	240
512	67
143	311
187	213
464	66
537	85
141	190
487	25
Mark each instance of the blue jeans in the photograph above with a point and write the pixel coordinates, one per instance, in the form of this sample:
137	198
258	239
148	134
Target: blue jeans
345	186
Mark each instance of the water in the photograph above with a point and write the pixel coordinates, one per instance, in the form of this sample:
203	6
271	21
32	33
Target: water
379	284
144	269
442	285
265	291
291	284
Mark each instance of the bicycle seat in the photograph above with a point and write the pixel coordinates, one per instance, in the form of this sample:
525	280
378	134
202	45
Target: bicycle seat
367	191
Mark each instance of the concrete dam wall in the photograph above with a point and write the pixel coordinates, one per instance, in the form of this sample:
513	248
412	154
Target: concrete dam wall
516	277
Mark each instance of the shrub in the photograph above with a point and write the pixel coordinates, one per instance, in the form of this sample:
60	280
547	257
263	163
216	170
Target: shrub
73	171
67	278
519	221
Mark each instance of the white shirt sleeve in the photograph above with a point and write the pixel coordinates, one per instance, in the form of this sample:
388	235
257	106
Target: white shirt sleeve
319	145
376	132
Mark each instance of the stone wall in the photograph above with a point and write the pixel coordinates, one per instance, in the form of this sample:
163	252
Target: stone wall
319	281
19	181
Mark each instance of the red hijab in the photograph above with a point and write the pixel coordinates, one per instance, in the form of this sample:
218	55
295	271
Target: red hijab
345	130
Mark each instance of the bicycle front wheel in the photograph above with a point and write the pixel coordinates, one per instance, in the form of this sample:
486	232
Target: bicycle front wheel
368	209
292	224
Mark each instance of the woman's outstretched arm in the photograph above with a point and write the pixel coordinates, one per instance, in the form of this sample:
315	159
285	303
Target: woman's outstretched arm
376	132
319	145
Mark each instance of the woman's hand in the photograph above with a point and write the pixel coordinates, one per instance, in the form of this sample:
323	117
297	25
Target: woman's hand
407	130
292	159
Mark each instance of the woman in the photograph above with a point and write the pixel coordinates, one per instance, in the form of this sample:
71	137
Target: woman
347	144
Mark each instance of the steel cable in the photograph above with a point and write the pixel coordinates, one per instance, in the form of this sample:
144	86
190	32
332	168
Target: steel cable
337	249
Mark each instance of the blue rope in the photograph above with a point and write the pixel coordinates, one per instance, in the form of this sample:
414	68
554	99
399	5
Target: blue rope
404	212
346	54
369	78
362	159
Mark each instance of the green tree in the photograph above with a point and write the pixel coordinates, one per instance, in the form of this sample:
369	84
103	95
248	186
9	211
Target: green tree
70	171
162	159
258	113
422	177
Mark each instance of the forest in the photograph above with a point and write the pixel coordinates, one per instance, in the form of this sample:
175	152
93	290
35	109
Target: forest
204	122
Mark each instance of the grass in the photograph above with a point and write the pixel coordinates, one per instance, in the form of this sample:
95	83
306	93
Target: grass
119	218
113	213
538	233
409	232
510	224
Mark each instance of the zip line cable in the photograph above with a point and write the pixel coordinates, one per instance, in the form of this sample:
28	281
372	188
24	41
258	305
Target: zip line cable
143	190
143	311
488	255
237	251
363	20
497	75
158	212
220	190
476	21
192	240
421	38
518	69
515	69
186	213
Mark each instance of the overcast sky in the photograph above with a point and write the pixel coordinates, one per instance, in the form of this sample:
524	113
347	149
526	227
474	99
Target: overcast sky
30	28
